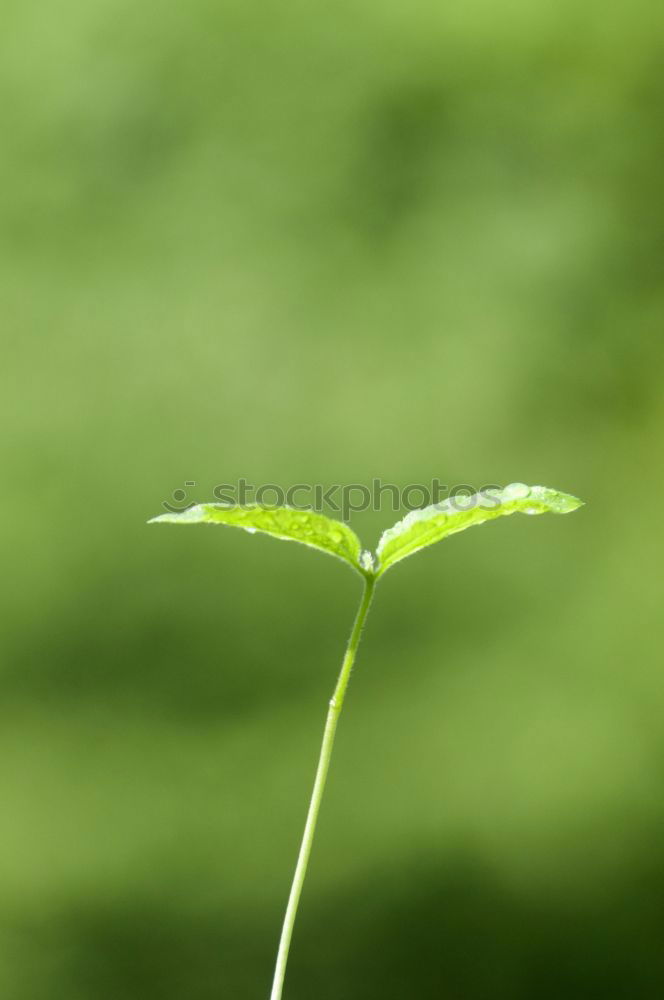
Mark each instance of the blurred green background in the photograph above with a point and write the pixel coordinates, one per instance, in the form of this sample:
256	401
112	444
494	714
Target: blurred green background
326	243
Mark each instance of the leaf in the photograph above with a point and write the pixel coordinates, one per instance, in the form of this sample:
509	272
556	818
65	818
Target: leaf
315	530
423	527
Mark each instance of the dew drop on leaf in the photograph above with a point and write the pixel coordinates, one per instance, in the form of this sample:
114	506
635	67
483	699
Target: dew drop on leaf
516	491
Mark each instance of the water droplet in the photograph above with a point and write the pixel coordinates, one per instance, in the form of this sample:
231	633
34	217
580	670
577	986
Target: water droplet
516	491
531	510
252	531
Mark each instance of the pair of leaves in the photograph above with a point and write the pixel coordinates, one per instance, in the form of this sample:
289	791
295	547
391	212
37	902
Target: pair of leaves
417	530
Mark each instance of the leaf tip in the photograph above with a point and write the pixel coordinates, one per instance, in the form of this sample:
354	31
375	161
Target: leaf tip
191	514
555	501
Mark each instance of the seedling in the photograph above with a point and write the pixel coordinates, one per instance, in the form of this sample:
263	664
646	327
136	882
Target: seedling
414	532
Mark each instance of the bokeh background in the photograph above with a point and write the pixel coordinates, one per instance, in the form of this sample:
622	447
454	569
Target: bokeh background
327	243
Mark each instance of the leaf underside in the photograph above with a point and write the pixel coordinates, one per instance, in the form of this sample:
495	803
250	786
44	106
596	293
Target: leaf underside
421	528
306	527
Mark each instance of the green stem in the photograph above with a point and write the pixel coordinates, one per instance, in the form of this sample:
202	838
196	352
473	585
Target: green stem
334	711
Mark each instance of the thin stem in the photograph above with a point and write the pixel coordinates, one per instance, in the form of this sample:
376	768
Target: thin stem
336	703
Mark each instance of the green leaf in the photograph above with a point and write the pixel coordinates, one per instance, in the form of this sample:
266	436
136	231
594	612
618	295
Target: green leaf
423	527
303	526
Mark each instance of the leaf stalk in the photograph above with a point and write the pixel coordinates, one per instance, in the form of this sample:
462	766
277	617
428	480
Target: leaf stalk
334	711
